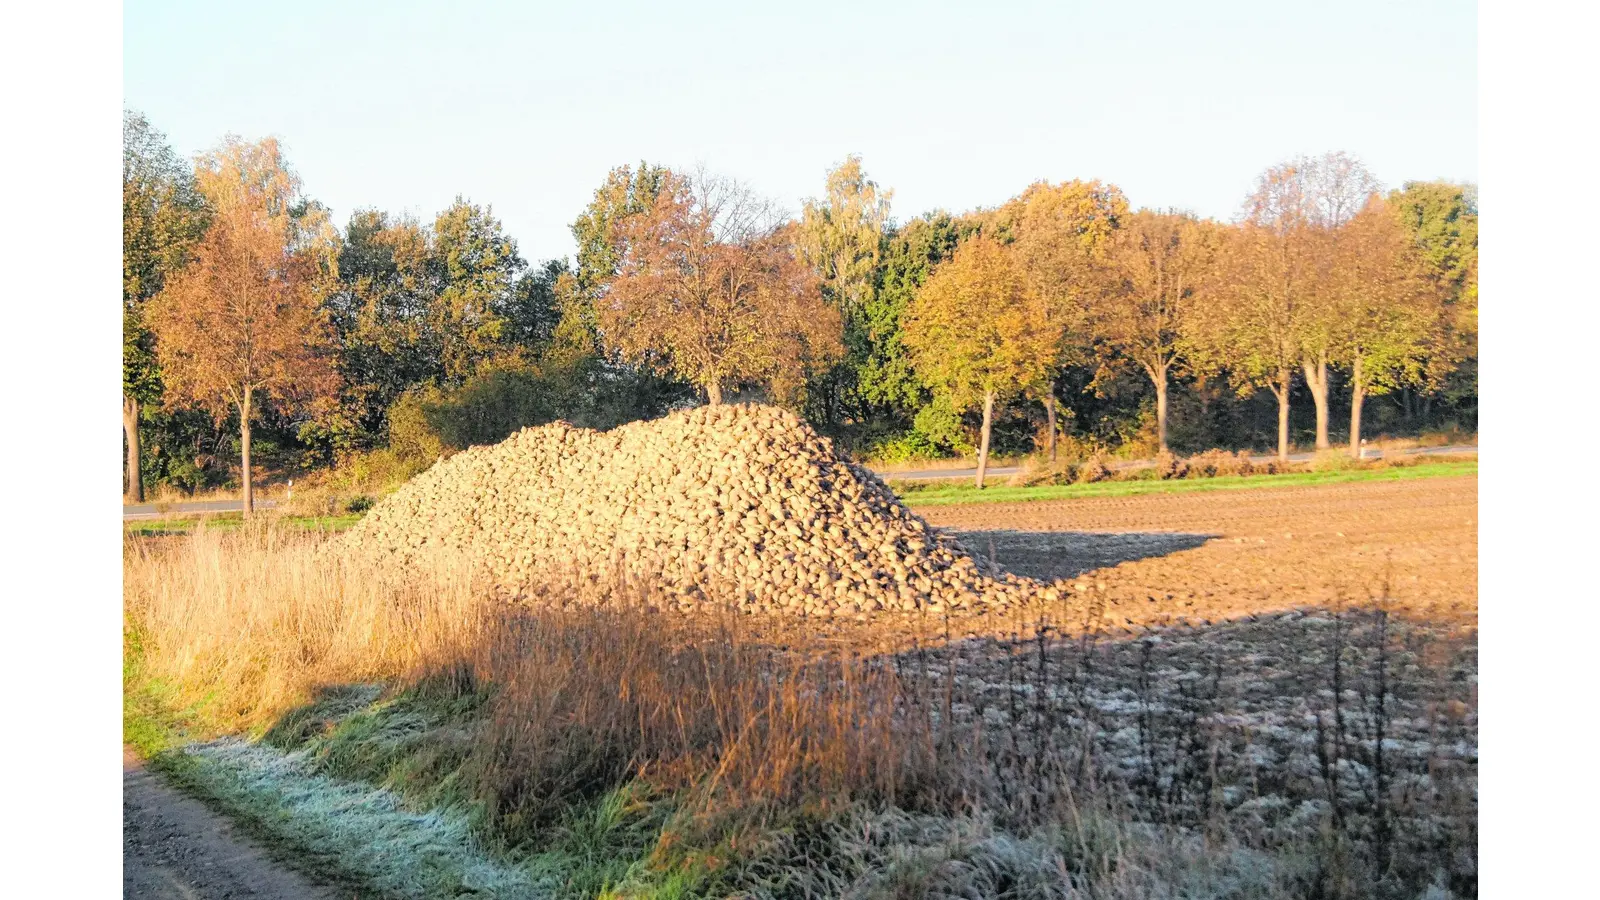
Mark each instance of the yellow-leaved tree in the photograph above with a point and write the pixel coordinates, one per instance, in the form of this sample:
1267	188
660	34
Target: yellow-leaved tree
1153	269
1061	233
978	333
1390	308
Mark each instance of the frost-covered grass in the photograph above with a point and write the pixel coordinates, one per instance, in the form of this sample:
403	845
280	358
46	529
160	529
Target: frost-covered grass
353	829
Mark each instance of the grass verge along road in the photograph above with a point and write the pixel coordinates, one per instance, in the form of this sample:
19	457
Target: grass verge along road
947	495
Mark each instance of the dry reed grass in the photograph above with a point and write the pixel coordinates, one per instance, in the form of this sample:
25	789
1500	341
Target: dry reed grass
584	694
244	625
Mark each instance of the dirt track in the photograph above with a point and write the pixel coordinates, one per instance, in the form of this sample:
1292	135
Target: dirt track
1222	554
174	847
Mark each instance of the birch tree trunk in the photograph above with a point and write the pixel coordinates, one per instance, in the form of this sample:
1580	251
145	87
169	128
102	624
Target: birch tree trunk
714	393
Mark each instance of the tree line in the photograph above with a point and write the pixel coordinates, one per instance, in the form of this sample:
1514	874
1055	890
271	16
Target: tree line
246	312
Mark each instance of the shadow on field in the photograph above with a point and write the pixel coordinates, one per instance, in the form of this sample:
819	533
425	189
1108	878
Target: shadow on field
1066	554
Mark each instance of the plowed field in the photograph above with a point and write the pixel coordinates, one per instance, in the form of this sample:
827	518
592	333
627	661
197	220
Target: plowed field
1224	554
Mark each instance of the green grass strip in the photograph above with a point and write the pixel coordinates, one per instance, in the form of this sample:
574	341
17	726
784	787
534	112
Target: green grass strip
968	494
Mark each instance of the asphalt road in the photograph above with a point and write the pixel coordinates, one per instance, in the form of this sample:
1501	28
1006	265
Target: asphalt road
155	511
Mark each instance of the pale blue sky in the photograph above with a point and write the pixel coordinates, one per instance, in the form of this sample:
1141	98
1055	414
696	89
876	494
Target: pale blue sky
402	105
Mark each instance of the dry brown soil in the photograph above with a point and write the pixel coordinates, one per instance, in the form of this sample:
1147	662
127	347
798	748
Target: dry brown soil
1225	554
174	847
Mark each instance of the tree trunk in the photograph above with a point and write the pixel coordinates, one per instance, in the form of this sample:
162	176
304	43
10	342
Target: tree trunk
1358	393
1317	381
1050	422
1158	375
714	393
983	440
1281	390
244	446
130	428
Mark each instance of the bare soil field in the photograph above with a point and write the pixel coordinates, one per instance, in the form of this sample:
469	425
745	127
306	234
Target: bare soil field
1206	556
1269	663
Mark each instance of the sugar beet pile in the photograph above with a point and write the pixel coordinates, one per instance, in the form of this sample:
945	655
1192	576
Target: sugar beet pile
720	504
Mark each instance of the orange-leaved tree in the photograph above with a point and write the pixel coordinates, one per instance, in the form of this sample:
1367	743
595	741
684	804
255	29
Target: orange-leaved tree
710	288
1154	266
1390	307
977	332
1263	295
241	326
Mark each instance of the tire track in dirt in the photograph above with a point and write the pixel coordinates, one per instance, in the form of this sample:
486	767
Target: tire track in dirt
174	848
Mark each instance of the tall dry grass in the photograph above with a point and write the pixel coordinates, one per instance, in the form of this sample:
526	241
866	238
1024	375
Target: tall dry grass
243	626
583	694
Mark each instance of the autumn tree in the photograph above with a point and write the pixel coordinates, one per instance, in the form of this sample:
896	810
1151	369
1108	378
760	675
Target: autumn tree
1271	312
979	333
1442	220
841	238
240	326
1060	233
711	288
841	235
163	216
1251	325
628	389
1333	189
1154	265
1388	307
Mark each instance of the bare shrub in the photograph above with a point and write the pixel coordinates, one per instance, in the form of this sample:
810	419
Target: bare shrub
1169	465
1039	470
1092	470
